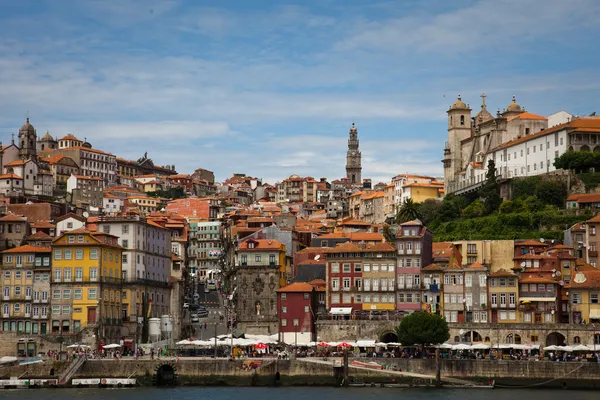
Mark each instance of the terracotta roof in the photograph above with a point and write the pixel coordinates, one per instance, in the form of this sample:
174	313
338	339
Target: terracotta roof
13	218
70	136
318	282
536	278
29	249
175	257
88	149
576	125
354	236
298	287
502	273
527	115
353	248
17	162
433	267
410	223
70	215
531	243
43	225
442	249
39	235
561	246
584	279
311	250
10	176
353	222
476	264
261	244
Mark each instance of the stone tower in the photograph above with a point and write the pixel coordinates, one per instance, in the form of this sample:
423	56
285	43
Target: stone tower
459	128
353	157
27	141
47	142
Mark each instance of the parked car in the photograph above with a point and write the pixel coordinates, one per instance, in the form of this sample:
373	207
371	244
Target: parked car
195	318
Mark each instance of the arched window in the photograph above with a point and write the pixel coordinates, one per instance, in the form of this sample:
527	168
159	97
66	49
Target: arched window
462	119
577	340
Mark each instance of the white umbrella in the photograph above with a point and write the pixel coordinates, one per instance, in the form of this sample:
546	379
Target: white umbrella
73	346
568	349
461	346
365	343
394	344
551	348
184	342
112	346
480	346
445	346
582	347
379	344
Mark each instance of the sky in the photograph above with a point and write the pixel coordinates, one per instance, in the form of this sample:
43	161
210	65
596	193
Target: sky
271	88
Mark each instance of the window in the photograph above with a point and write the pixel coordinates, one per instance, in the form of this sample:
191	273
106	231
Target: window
257	258
93	274
284	310
283	296
57	275
17	291
367	267
335	298
66	309
125	229
346	283
335	284
468	280
296	322
502	299
576	298
66	294
494	298
511	299
55	294
92	294
77	294
306	296
346	267
284	322
78	274
482	298
79	254
28	274
335	268
306	309
93	254
17	275
58	254
357	268
71	239
68	254
367	284
55	309
593	298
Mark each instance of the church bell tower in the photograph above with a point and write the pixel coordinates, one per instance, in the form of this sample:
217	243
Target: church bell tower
353	157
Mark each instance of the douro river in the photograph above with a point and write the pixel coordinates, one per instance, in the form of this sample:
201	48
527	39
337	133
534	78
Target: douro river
293	393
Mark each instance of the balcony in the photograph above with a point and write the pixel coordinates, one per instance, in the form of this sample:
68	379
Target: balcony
5	298
36	316
5	315
27	315
44	300
36	300
146	282
27	297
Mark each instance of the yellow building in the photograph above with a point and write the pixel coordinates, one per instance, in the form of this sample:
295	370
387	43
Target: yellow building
497	254
419	192
584	297
86	284
145	204
25	285
378	277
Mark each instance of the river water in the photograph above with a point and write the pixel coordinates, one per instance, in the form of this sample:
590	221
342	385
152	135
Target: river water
292	393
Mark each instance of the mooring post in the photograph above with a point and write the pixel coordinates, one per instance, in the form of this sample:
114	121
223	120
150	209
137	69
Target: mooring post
345	366
438	369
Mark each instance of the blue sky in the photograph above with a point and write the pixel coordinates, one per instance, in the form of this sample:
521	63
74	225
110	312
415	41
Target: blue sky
270	88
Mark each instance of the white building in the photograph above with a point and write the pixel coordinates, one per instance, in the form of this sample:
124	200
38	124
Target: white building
146	262
69	222
534	154
111	204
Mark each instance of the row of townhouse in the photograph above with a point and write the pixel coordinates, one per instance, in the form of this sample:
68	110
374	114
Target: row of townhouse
530	285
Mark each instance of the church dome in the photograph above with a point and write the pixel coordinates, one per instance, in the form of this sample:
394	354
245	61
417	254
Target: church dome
513	106
27	128
47	137
459	104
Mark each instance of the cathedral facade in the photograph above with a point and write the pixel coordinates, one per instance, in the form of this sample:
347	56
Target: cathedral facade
474	140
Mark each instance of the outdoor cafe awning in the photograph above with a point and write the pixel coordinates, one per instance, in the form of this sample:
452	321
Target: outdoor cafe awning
534	299
340	311
594	314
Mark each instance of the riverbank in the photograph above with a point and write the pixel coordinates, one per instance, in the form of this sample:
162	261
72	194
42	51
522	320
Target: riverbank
317	372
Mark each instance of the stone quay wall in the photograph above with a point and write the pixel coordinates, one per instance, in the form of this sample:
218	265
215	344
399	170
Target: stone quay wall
300	372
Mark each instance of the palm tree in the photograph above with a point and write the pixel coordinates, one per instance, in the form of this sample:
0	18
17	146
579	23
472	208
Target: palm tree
408	211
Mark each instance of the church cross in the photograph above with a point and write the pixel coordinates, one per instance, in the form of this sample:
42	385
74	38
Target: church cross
483	96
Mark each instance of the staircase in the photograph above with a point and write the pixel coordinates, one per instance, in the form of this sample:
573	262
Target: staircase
71	369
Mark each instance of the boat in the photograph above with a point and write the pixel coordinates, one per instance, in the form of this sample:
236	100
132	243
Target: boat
104	382
16	383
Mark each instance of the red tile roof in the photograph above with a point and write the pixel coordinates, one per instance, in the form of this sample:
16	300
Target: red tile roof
298	287
28	249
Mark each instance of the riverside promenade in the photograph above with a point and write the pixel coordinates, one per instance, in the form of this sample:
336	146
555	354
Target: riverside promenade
169	371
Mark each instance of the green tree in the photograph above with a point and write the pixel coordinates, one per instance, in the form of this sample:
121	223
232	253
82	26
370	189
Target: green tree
490	191
422	328
451	207
507	207
578	161
475	209
551	192
430	210
408	211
